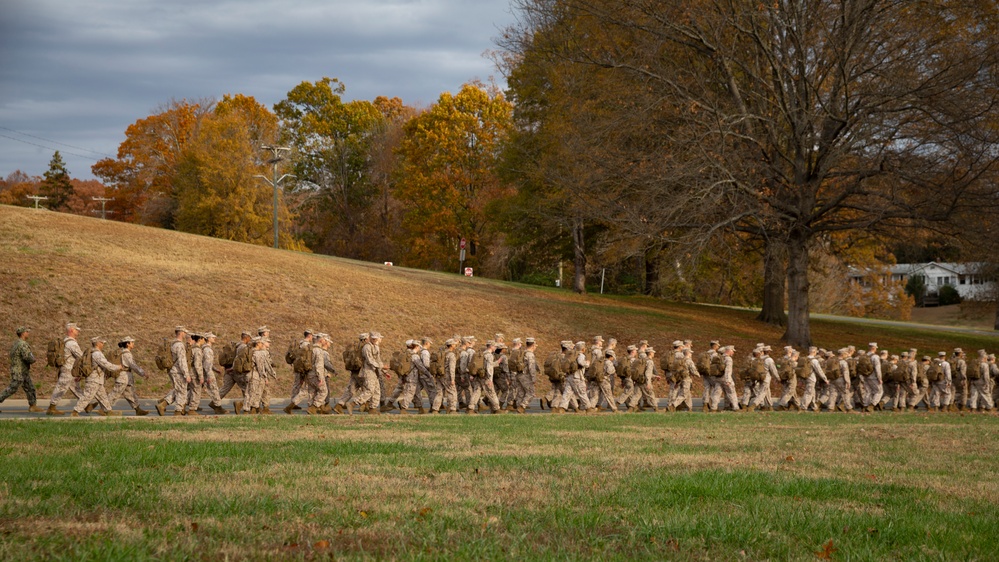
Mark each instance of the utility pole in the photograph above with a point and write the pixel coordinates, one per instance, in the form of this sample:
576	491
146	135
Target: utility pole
104	211
276	150
36	198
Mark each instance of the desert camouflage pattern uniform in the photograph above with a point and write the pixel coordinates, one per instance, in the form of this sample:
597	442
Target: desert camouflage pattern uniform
940	391
93	388
526	379
725	388
873	383
448	396
980	385
71	352
959	374
371	393
787	374
197	377
232	378
179	374
124	384
683	381
256	381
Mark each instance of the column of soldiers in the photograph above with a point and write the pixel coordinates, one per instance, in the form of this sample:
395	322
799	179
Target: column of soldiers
458	376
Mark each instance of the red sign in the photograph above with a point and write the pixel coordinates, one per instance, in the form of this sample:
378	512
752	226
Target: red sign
468	272
462	243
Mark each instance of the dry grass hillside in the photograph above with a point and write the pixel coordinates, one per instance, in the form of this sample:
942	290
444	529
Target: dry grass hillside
118	279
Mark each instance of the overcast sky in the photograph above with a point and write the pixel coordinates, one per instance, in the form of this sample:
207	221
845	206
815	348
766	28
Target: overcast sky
74	74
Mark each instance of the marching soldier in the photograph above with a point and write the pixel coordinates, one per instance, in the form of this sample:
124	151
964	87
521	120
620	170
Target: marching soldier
124	385
94	387
371	372
21	359
71	354
683	379
787	374
180	375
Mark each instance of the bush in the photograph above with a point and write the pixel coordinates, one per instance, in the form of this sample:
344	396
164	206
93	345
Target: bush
949	295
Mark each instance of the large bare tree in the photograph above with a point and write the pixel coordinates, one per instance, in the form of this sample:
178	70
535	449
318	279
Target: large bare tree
790	119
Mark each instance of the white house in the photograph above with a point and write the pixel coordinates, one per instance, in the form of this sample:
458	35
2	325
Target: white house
964	277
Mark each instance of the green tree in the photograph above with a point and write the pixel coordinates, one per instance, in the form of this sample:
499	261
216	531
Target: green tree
56	184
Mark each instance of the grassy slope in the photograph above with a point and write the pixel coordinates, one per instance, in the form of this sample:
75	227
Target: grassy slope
117	279
685	486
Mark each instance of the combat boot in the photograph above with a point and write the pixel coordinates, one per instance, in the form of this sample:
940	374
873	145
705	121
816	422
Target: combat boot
422	410
520	410
311	410
73	414
473	412
402	411
53	412
178	412
374	411
325	410
289	408
190	412
338	409
237	406
385	408
112	413
102	413
219	410
750	408
161	407
140	412
35	409
296	407
89	408
266	410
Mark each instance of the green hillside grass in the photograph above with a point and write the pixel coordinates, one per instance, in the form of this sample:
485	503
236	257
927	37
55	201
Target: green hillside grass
118	279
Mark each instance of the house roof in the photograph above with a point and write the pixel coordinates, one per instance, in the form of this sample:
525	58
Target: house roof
969	268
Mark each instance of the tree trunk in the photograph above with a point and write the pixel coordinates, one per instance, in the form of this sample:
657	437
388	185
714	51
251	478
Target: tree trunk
774	274
996	327
798	331
652	272
579	256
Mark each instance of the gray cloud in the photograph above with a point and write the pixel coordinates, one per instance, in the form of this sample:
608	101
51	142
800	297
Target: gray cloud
80	72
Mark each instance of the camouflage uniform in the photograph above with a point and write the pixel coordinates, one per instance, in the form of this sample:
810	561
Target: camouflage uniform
315	379
602	382
526	379
483	387
815	373
232	378
648	393
874	382
726	387
503	381
256	381
197	377
93	389
683	382
409	381
21	359
981	385
761	390
592	386
839	388
575	384
71	353
959	374
449	391
428	382
299	378
179	375
370	373
124	385
940	391
920	385
627	384
211	379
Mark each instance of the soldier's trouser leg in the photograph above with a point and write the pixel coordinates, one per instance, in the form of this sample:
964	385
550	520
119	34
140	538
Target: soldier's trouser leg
647	393
526	390
577	384
212	389
371	391
22	380
63	383
605	393
429	385
124	387
489	392
400	386
808	396
409	384
194	394
93	389
874	390
626	388
980	391
474	392
915	396
254	391
760	392
177	396
937	394
682	394
728	388
298	382
228	381
318	387
593	392
961	391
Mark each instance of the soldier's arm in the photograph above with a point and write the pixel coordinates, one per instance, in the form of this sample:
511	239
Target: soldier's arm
129	361
101	361
817	367
328	365
74	349
26	354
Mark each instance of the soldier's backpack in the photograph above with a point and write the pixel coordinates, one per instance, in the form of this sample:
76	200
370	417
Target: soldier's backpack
637	372
865	367
717	365
851	363
114	356
401	362
569	362
833	371
895	374
353	360
974	372
437	363
476	368
804	368
243	363
228	354
553	367
84	365
301	358
516	361
292	353
758	369
704	364
785	369
163	357
935	372
596	372
55	355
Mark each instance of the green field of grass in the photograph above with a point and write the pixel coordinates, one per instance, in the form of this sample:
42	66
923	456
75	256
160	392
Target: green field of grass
778	486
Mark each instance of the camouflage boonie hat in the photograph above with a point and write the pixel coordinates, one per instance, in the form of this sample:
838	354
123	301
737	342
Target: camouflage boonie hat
528	340
650	349
97	339
610	353
179	329
362	337
23	330
126	339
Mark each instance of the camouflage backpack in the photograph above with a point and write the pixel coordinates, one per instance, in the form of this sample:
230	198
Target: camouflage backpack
114	356
553	367
865	367
717	365
55	354
596	372
301	357
516	360
353	359
243	363
896	374
974	371
704	364
637	372
475	366
228	354
833	371
401	362
785	370
84	366
758	369
163	357
437	362
935	372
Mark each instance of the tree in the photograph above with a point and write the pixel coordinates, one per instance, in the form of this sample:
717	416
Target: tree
448	174
796	118
56	185
216	184
142	177
333	142
15	188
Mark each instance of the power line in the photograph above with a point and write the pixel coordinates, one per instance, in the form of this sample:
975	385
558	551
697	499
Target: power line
49	148
105	154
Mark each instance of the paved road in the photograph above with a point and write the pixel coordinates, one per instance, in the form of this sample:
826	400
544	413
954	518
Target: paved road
18	409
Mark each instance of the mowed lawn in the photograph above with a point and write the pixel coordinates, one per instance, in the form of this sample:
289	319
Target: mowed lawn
781	486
